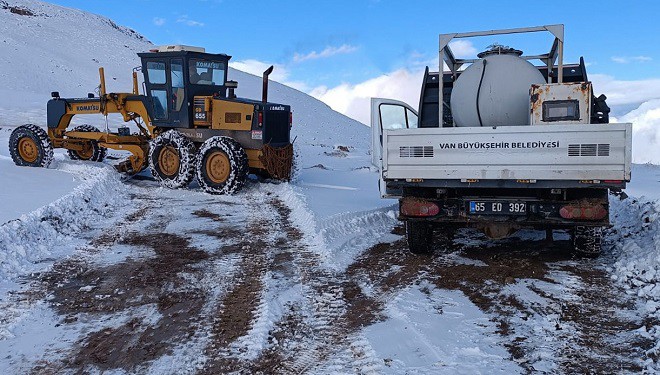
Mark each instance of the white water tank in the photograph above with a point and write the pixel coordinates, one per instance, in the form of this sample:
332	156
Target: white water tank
496	89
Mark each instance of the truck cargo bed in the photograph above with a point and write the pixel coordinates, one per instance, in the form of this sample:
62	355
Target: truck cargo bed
556	152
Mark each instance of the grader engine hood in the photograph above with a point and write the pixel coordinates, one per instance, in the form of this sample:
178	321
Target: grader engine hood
276	125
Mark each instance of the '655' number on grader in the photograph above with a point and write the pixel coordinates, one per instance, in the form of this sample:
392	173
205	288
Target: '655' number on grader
191	124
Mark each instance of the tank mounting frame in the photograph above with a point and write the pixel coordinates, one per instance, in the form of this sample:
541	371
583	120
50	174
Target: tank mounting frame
556	52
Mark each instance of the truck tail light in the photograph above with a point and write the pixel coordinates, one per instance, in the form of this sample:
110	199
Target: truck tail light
290	119
583	212
260	119
414	207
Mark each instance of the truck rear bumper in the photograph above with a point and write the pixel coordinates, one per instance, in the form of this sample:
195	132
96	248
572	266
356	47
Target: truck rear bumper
517	212
395	187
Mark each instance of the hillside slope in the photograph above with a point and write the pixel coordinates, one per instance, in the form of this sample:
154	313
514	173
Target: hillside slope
67	46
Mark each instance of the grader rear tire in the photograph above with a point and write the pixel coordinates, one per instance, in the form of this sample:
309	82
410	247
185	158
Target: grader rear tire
30	146
222	166
91	150
172	159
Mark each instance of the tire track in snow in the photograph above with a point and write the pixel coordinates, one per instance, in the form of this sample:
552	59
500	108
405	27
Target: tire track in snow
331	345
164	276
553	313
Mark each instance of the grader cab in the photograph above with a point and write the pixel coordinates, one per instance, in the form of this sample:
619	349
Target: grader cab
190	123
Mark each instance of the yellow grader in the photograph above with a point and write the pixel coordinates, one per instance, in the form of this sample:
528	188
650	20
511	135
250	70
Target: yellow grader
190	122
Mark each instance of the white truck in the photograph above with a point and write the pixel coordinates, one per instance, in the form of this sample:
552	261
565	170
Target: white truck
501	144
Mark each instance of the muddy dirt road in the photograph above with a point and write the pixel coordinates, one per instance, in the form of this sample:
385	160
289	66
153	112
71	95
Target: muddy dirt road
211	285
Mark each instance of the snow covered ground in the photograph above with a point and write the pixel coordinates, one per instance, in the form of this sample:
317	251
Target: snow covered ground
28	189
102	274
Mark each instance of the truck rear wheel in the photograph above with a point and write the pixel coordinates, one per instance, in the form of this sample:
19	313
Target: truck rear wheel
30	146
172	159
587	241
419	235
91	150
222	166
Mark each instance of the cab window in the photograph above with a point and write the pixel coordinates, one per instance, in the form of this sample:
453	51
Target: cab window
177	73
156	72
178	92
393	116
159	98
204	72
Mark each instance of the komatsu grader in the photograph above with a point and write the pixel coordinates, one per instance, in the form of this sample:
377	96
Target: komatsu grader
190	122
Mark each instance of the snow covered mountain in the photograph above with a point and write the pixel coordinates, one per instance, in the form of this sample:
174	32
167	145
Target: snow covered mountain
67	47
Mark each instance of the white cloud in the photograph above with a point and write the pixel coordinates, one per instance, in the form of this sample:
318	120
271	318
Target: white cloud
187	21
463	49
256	67
159	21
327	52
354	100
621	92
629	59
646	131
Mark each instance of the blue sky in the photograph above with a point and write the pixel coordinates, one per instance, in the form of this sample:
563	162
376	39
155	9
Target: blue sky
329	43
385	35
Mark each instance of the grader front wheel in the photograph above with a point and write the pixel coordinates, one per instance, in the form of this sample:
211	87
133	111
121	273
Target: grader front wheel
169	161
30	146
91	150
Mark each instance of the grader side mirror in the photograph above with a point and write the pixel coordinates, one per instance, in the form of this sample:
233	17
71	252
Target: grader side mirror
55	94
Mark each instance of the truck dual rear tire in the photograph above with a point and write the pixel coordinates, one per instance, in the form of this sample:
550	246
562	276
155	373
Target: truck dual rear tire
91	150
419	235
222	166
30	146
172	159
587	241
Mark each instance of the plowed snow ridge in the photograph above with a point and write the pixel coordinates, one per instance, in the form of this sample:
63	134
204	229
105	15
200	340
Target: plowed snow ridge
27	242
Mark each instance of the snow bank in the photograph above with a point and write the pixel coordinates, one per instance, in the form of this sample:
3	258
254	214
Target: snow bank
36	236
636	240
26	189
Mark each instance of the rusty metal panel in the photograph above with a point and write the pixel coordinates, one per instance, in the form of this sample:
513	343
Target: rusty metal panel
563	96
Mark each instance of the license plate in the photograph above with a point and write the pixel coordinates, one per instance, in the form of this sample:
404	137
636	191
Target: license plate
497	208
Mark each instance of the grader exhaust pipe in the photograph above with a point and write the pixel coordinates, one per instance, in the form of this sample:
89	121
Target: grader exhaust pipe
264	94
